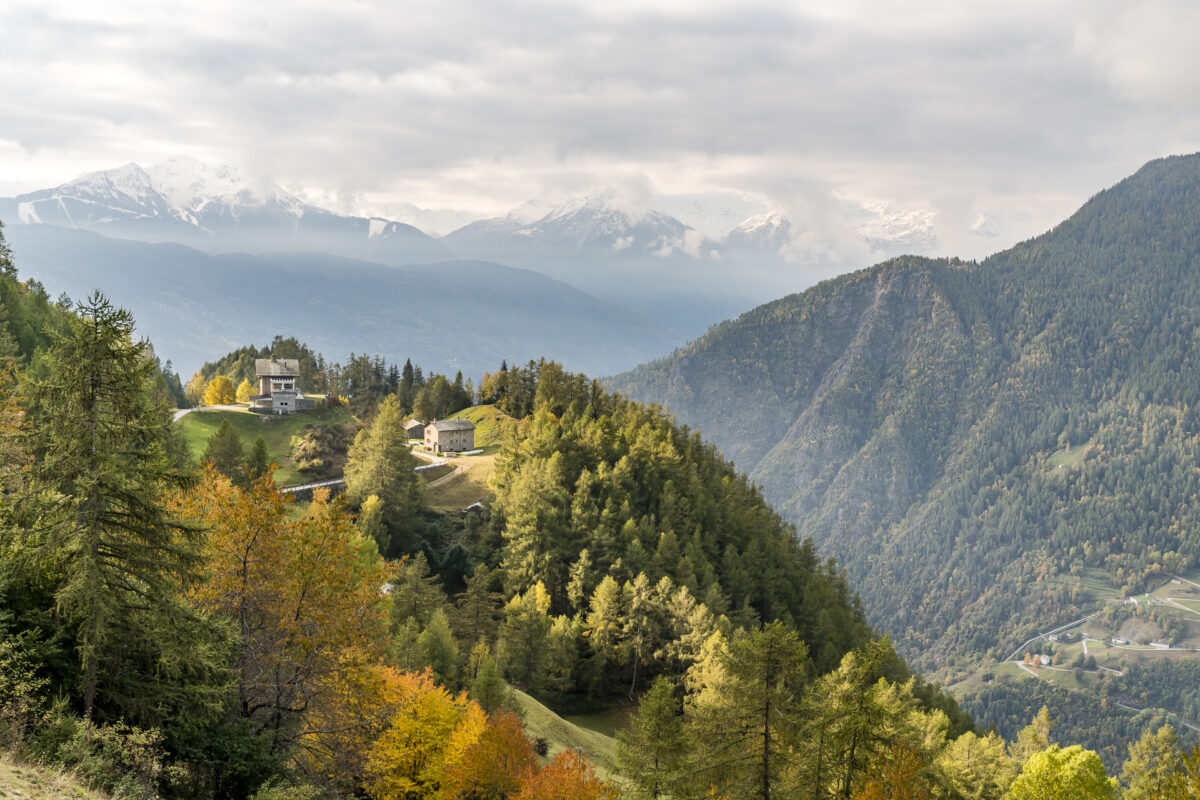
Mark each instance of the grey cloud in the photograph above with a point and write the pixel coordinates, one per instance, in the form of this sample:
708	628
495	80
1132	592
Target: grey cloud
944	105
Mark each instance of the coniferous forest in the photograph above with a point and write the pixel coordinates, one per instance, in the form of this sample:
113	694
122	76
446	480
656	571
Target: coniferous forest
171	629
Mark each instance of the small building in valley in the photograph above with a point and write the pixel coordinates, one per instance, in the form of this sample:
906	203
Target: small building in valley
278	390
450	435
415	429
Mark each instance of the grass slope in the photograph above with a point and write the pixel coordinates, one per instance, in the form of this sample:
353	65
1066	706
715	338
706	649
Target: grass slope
491	425
277	431
471	483
26	782
562	734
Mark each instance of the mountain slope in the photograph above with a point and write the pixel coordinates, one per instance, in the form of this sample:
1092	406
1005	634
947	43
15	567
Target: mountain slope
912	418
448	316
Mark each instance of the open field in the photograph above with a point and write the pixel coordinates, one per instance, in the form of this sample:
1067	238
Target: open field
467	487
277	431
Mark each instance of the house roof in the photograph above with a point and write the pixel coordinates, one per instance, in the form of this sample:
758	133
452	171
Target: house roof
277	367
452	425
413	423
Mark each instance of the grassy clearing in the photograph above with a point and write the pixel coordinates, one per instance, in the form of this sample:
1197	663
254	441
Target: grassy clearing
277	431
600	749
466	488
1069	456
24	782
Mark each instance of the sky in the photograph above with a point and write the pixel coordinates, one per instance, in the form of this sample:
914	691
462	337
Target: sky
985	122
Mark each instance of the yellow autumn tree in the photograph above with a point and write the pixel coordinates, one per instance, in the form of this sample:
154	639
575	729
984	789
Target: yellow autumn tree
220	391
429	730
304	593
245	390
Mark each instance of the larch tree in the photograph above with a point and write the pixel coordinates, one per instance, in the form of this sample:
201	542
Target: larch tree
747	724
380	464
653	749
304	594
102	469
1063	774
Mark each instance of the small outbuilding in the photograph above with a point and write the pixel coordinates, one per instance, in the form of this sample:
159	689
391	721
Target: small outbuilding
450	435
415	429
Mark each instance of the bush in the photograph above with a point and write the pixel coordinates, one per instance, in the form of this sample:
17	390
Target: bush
21	703
119	759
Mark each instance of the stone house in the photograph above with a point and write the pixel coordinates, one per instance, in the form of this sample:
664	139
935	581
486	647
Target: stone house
278	391
415	429
450	435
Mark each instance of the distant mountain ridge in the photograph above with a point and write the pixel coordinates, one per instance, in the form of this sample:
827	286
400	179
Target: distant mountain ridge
968	439
216	209
447	315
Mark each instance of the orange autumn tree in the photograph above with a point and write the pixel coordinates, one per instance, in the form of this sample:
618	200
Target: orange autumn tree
305	597
569	776
492	768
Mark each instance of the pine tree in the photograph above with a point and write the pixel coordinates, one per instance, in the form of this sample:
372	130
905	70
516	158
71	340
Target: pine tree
225	452
477	608
101	459
438	650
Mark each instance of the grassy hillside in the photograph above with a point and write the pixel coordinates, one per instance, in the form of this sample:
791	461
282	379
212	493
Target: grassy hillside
277	431
20	781
571	733
491	425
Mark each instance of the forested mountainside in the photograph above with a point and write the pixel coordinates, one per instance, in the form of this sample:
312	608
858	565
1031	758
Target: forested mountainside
969	439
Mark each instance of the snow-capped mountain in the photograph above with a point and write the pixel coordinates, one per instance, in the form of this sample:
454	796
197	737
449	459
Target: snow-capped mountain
893	229
214	208
767	233
593	225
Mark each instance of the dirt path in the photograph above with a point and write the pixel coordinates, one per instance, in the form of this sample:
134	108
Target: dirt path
181	412
459	469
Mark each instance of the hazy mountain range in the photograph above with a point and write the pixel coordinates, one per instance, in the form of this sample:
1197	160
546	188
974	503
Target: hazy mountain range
730	255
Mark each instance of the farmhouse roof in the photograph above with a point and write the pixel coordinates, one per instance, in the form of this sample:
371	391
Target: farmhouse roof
277	367
453	425
414	423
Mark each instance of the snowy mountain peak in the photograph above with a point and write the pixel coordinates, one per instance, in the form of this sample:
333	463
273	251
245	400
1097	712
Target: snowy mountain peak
127	182
770	221
190	184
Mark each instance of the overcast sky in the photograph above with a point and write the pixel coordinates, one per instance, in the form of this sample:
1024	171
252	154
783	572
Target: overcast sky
993	120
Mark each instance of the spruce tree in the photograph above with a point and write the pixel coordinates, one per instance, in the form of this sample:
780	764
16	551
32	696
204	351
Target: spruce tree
259	461
225	452
102	472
